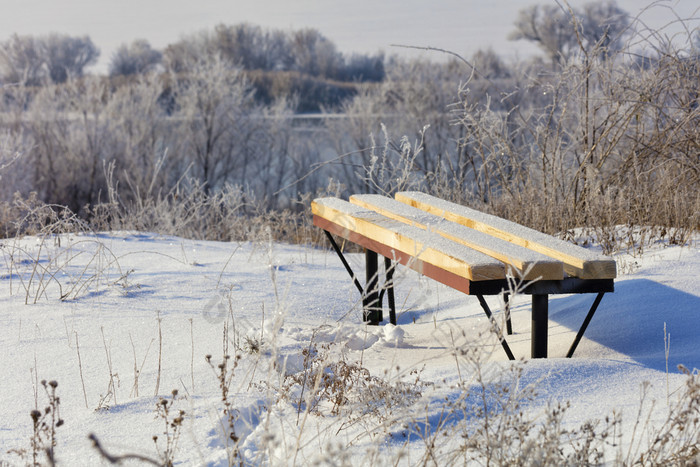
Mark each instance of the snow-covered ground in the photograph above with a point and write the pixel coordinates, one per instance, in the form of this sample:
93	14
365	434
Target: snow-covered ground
141	312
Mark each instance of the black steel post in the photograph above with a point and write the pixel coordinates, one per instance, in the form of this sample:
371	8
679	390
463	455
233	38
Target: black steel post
540	325
389	267
343	260
587	320
372	307
502	339
509	325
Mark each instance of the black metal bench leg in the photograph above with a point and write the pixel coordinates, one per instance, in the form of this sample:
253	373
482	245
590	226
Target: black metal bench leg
487	310
587	320
389	267
540	326
371	305
509	325
344	261
372	301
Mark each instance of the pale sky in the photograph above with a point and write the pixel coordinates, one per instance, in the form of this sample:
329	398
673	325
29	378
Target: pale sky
366	26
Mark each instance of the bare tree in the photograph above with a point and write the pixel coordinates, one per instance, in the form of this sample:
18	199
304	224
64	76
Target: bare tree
313	53
214	102
549	26
604	27
136	58
361	68
560	30
68	124
140	138
29	60
189	50
22	61
249	46
66	56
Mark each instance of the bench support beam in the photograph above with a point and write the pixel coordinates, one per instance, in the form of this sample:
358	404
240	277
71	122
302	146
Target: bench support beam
509	324
389	267
344	261
372	300
540	325
496	328
371	306
587	320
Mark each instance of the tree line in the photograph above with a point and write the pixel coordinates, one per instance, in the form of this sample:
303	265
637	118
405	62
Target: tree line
32	60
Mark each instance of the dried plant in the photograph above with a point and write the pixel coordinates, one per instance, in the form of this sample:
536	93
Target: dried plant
172	427
44	425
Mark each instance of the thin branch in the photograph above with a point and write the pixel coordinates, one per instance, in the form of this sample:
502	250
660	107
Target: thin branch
112	459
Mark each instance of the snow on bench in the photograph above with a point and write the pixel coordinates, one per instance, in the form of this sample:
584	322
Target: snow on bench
578	262
518	260
408	242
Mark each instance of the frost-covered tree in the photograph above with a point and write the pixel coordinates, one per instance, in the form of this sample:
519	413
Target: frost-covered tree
314	54
140	136
560	32
214	103
22	61
67	56
490	65
548	26
136	58
250	46
604	27
360	67
695	46
189	50
68	126
32	60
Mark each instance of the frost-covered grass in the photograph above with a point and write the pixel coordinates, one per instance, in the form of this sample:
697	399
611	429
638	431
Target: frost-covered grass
263	344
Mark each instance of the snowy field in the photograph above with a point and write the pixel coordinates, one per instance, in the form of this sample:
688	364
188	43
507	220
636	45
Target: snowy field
119	320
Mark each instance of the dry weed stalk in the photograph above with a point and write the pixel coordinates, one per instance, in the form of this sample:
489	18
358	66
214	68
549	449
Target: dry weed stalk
111	391
80	369
676	440
160	352
44	425
54	259
172	428
225	372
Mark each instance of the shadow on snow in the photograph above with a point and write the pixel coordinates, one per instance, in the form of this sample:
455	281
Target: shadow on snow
631	321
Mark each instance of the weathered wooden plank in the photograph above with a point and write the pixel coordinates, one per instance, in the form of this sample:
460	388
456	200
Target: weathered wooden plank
426	246
578	262
519	261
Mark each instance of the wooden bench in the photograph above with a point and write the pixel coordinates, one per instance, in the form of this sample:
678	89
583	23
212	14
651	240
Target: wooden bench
470	251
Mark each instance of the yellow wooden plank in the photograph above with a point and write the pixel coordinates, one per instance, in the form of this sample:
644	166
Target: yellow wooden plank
519	261
578	262
426	246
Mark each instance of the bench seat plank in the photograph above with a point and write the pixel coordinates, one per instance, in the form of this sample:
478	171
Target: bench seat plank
519	261
427	247
578	262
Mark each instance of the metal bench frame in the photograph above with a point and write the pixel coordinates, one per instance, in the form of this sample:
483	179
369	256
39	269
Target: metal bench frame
372	294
